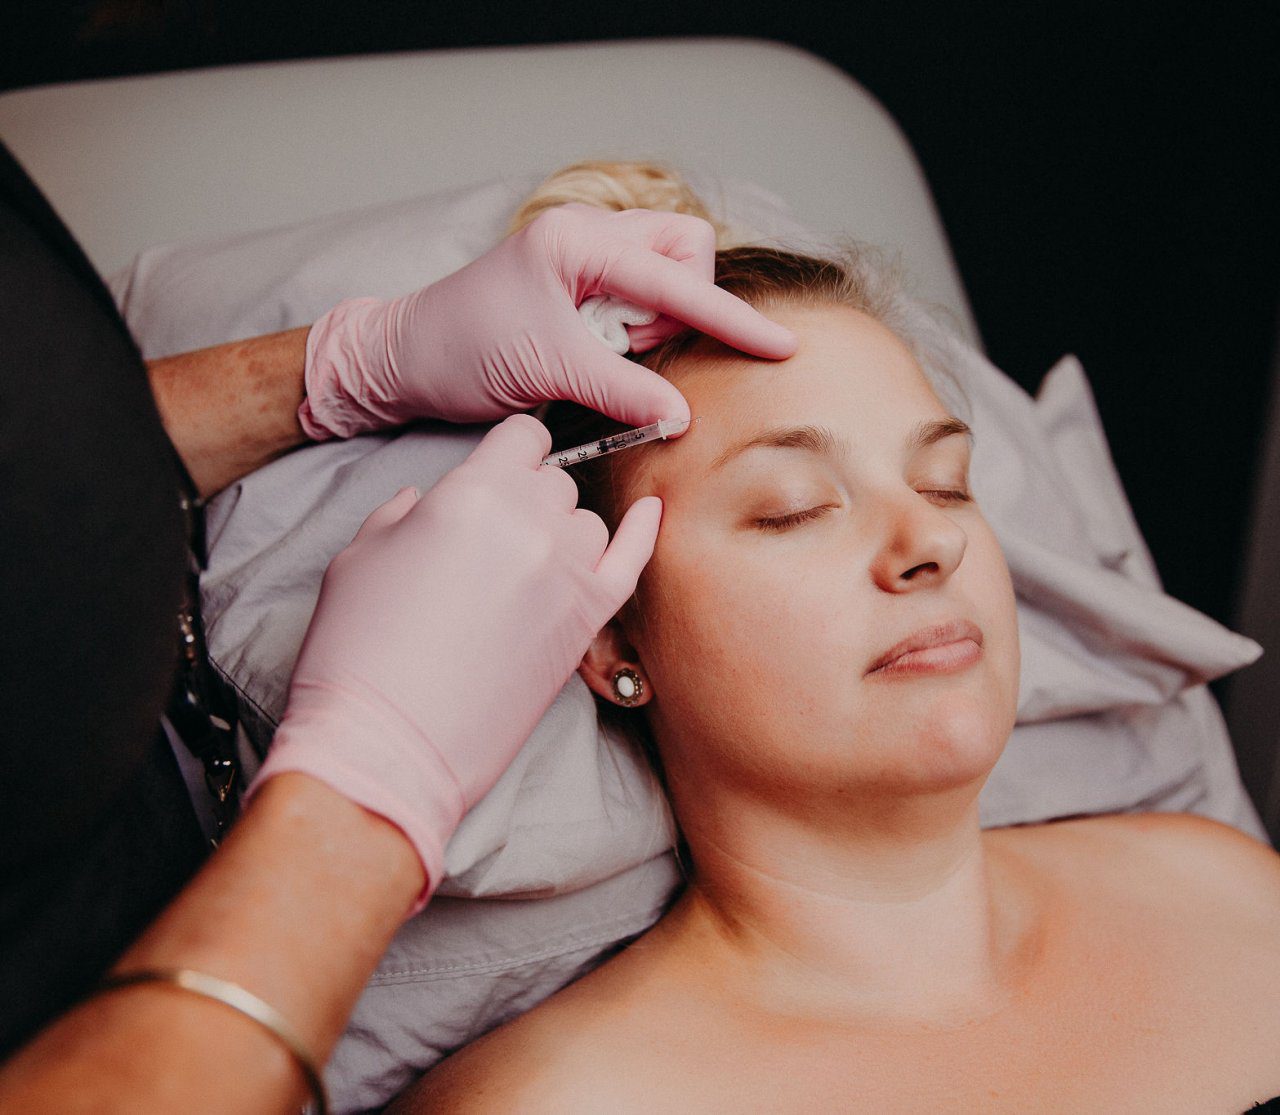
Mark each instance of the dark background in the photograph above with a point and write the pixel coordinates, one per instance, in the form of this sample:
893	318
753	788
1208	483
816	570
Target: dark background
1106	172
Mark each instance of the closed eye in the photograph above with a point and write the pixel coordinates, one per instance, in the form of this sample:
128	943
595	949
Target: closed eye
784	522
795	518
949	496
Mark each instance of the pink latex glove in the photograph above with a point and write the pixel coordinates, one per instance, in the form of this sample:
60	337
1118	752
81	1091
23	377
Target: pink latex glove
503	334
445	630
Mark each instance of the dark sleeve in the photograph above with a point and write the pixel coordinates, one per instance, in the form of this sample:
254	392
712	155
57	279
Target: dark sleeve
92	548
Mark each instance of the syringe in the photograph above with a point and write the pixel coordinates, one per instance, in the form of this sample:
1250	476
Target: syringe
611	444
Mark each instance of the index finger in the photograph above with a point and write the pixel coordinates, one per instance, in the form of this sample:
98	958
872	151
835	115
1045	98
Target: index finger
658	283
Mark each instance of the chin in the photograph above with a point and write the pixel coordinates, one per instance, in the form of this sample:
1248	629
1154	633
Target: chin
957	738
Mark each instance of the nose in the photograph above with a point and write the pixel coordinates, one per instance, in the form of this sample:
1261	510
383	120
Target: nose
923	546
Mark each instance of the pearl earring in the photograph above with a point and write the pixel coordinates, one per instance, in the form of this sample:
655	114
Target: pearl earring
627	686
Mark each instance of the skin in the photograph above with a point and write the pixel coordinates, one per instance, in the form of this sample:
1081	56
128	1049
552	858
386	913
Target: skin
832	818
255	386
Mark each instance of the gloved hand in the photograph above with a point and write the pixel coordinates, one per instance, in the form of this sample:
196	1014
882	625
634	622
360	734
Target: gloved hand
445	630
503	334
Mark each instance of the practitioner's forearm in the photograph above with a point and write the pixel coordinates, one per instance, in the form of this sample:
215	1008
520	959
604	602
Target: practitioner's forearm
234	407
296	907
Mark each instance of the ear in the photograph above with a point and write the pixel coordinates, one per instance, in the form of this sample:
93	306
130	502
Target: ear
608	654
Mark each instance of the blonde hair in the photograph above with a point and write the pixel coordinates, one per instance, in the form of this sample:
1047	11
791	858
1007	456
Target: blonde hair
617	186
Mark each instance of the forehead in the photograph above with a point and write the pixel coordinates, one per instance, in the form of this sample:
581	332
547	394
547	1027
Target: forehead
850	373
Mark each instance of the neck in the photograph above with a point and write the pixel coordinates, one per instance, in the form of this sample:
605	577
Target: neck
903	915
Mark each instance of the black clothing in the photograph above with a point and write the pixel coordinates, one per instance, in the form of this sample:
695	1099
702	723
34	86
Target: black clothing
96	830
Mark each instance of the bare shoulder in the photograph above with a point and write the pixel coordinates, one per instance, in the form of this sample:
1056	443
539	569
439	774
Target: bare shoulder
1216	854
555	1058
1191	853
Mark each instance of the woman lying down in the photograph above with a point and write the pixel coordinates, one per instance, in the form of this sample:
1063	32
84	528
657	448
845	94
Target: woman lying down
824	655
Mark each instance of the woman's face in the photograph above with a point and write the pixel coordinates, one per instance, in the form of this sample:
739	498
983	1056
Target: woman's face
804	535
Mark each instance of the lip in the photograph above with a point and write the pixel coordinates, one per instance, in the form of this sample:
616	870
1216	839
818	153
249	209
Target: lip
950	635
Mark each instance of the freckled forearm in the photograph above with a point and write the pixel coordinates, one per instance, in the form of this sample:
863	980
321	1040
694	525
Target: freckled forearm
232	408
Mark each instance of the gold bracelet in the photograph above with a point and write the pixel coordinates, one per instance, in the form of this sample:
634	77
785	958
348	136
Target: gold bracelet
237	998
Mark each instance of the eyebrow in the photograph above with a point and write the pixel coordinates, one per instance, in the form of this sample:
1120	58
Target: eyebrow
824	440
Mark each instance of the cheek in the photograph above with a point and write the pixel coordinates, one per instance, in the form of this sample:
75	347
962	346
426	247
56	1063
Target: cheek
735	673
991	588
723	639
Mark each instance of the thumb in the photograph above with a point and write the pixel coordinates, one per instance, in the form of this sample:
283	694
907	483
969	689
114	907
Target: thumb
391	512
620	566
519	439
621	388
